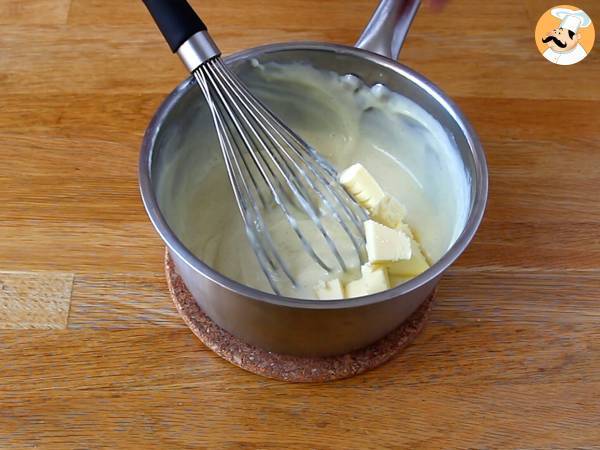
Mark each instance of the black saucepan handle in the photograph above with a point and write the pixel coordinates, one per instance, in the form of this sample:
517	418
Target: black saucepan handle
176	20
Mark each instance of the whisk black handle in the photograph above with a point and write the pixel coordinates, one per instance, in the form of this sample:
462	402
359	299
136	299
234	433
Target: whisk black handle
176	20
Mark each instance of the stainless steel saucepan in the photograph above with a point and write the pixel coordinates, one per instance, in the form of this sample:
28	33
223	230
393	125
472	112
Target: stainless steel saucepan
312	327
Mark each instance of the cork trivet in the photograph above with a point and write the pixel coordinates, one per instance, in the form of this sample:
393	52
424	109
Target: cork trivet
288	367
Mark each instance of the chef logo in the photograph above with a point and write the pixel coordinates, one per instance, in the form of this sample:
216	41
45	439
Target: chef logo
564	35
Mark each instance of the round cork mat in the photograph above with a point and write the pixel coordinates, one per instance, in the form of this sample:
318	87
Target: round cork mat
290	368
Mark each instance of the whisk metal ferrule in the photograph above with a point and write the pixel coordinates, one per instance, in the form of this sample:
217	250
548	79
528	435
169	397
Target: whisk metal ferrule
198	49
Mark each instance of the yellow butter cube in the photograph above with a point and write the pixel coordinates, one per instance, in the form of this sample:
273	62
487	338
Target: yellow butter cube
406	228
389	212
374	279
412	267
386	244
361	185
330	290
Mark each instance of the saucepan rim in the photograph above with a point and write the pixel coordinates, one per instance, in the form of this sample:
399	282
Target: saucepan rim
480	181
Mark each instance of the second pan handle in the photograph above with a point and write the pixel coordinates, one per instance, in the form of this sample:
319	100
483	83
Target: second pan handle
386	31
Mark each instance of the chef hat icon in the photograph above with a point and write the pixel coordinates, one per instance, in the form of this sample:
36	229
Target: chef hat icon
570	19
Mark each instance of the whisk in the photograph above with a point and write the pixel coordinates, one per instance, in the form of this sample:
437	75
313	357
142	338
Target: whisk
268	165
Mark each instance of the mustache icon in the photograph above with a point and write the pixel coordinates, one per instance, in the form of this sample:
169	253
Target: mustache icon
555	40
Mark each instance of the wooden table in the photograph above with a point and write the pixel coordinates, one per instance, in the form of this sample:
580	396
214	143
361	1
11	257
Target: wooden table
92	352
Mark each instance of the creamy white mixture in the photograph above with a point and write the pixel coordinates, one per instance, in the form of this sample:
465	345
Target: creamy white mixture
406	149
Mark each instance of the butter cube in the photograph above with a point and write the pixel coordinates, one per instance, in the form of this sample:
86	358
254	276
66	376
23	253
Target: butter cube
397	281
389	212
330	290
385	244
356	288
368	268
406	228
361	185
412	267
374	279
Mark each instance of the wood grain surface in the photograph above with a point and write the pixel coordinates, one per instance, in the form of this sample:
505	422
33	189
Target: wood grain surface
511	358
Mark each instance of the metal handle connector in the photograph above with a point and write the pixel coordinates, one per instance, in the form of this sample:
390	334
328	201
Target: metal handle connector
386	31
198	49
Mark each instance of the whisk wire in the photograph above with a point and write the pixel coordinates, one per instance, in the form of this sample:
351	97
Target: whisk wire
264	166
299	146
260	239
265	124
259	149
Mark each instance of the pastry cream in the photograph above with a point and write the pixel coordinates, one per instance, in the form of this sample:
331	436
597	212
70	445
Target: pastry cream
406	150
